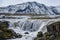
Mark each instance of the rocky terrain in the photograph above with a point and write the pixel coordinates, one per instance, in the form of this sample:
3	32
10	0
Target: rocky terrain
53	32
29	30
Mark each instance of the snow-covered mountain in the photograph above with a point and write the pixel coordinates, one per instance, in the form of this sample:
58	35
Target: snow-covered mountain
56	9
30	8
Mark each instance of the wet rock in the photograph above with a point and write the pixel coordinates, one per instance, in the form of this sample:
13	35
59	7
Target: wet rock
6	33
18	35
50	33
54	28
35	39
46	35
40	34
52	37
16	24
41	38
26	33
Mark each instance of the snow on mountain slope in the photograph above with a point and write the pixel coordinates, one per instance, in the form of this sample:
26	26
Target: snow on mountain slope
56	9
29	8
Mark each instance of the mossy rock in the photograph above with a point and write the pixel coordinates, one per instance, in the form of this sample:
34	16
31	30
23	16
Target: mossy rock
4	25
6	34
4	31
18	35
40	34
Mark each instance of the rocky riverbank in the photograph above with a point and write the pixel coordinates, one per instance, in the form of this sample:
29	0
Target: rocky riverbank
6	33
53	32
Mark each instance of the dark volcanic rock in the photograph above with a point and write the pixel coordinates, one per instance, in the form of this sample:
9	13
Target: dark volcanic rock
18	35
26	33
40	34
52	37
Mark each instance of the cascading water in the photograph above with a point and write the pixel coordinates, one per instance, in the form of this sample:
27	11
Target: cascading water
32	26
43	27
28	25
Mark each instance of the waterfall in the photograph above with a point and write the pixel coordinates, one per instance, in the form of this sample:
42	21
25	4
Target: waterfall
43	28
31	26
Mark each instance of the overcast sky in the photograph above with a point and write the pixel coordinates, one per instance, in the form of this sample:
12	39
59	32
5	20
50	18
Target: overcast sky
13	2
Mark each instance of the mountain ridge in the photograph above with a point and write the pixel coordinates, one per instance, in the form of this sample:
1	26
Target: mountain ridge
30	8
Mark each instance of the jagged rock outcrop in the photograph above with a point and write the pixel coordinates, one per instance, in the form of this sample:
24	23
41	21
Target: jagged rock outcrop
45	36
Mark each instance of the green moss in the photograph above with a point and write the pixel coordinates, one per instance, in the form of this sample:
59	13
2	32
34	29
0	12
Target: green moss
39	34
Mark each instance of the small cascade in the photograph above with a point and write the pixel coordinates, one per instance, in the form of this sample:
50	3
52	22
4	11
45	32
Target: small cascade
43	28
31	26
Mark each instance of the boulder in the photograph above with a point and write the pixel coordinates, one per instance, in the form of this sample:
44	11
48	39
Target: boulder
18	35
40	34
52	37
26	33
